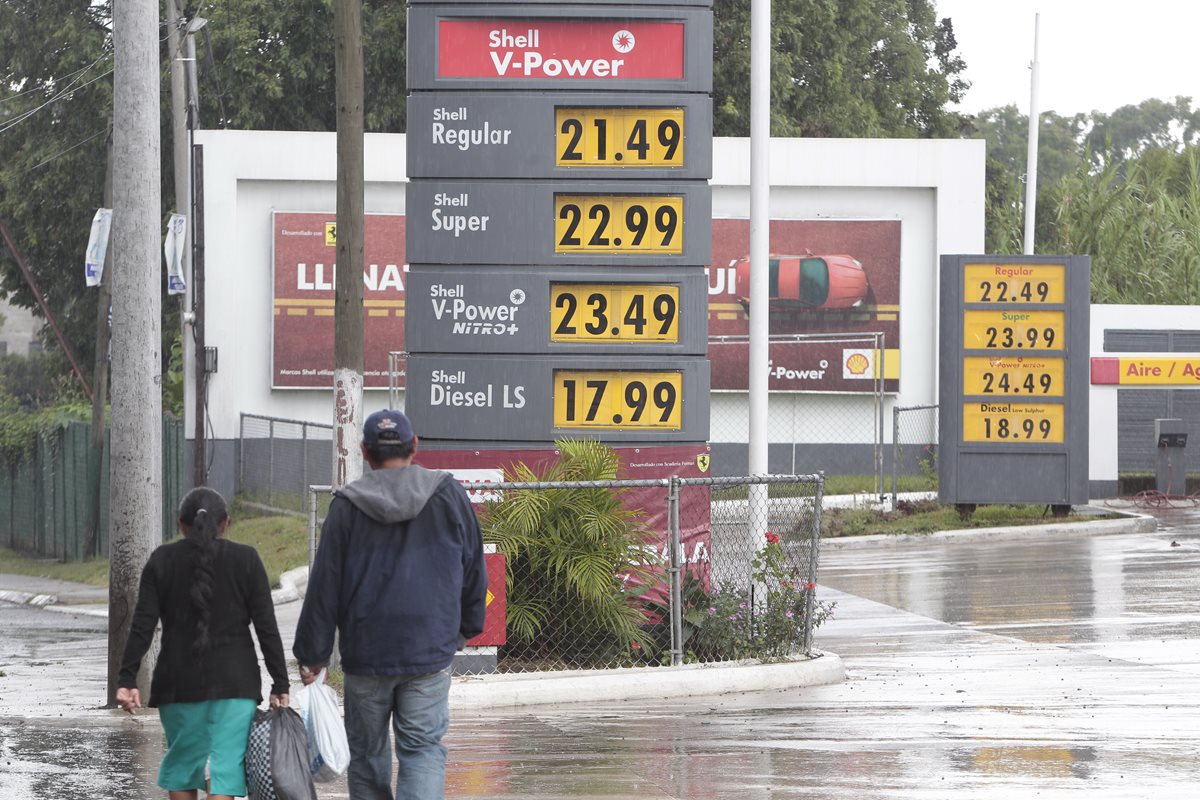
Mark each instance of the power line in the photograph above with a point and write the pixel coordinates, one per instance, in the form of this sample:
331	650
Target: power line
69	88
57	155
4	100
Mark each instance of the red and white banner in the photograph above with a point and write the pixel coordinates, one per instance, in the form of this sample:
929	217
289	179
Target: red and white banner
577	49
305	248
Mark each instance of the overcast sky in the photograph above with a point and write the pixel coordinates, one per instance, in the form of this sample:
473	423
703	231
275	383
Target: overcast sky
1094	54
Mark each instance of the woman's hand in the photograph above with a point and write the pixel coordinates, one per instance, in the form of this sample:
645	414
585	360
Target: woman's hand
279	701
129	699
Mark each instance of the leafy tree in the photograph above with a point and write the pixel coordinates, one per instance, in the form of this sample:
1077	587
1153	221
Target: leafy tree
842	68
1132	130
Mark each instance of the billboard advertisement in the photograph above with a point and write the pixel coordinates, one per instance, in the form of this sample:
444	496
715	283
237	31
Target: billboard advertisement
828	277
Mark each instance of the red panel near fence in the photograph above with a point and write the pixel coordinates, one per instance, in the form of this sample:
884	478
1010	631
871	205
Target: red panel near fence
494	622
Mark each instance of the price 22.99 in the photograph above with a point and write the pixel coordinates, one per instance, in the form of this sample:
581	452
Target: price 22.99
614	224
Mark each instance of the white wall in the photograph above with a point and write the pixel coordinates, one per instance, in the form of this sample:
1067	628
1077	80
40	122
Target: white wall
1102	411
935	188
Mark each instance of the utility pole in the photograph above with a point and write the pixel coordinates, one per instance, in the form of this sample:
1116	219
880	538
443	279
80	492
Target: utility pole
348	302
1031	154
135	499
760	248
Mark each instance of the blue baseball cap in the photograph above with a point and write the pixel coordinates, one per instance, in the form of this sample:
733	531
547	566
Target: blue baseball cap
389	426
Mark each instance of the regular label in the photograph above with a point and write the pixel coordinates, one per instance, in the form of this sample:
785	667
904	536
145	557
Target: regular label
1014	283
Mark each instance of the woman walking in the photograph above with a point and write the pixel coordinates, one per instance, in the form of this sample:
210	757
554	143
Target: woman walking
207	591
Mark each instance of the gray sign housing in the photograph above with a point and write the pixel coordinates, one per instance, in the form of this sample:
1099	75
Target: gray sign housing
511	397
503	135
491	309
514	222
1015	467
423	43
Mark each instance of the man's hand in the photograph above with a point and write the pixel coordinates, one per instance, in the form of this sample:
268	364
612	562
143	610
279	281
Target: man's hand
279	700
129	699
308	674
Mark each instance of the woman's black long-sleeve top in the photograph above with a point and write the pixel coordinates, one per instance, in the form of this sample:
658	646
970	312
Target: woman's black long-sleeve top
229	667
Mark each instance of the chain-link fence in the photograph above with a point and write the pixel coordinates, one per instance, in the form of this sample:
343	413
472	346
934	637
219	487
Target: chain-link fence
624	573
825	406
914	448
278	459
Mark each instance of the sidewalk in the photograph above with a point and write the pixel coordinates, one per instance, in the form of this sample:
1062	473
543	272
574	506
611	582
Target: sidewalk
85	665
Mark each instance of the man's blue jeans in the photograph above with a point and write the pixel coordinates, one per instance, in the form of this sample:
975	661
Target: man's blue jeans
419	709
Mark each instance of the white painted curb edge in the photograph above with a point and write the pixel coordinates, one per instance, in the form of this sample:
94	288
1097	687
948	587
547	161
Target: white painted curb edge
292	585
27	599
1131	523
492	692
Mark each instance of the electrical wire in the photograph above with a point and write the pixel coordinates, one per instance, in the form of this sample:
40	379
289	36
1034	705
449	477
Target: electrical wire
35	89
57	155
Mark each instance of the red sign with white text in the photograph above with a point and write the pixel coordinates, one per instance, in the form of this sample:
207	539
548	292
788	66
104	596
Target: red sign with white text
305	247
495	619
537	48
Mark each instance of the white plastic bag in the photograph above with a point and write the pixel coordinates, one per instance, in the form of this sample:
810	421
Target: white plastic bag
328	752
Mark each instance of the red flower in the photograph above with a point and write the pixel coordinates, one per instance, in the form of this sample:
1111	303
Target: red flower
772	538
635	646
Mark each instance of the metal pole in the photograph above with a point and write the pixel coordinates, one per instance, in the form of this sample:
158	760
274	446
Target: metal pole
312	525
810	601
760	249
270	460
1031	155
674	540
135	504
199	367
879	400
100	373
895	450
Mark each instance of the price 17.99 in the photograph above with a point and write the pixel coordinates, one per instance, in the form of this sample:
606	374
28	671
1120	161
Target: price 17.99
618	399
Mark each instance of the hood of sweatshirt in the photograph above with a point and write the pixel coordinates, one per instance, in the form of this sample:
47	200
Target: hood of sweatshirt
394	494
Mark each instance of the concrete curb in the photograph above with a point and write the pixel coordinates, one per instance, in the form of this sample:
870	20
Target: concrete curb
292	585
491	692
27	599
1131	523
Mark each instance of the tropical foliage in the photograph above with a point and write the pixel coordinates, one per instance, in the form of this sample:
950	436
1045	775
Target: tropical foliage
575	561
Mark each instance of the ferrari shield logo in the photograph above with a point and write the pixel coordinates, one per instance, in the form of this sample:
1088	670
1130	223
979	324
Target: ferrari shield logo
702	461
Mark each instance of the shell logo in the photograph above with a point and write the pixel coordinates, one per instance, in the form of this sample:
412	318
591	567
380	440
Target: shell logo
858	364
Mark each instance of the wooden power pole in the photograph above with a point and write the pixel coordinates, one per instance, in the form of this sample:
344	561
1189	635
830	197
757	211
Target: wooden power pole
348	302
135	499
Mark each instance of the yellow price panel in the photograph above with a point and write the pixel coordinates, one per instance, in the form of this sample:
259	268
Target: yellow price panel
1013	422
1014	330
619	137
618	223
1014	375
611	312
1015	283
618	399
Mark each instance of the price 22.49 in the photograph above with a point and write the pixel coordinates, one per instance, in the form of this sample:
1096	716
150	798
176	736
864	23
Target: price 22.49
618	224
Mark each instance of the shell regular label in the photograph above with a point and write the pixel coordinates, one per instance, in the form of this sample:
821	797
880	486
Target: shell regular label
516	49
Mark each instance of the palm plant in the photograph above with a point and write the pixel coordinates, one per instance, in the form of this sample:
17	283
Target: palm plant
575	560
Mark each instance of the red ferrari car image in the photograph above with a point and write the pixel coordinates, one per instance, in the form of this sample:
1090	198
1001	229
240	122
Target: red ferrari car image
809	281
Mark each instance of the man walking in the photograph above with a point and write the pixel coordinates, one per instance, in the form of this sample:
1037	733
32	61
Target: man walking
400	574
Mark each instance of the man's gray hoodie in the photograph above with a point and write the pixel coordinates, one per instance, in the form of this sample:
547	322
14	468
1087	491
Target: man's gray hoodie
399	572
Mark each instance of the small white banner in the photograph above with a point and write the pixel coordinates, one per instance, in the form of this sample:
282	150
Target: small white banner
173	249
93	260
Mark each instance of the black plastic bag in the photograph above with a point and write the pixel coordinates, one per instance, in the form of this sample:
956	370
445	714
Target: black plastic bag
277	757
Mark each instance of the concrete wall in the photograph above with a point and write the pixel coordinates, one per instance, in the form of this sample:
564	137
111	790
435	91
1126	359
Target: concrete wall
20	327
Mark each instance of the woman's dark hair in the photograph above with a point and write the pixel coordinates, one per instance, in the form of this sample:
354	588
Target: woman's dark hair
202	511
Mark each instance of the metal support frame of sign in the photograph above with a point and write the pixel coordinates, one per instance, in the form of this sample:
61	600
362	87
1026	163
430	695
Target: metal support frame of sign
560	47
517	398
538	310
1013	383
559	135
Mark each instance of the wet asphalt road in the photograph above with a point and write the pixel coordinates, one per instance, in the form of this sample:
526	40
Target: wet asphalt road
1066	667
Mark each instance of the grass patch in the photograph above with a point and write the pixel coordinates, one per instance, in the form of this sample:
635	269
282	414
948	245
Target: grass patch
93	572
928	516
281	542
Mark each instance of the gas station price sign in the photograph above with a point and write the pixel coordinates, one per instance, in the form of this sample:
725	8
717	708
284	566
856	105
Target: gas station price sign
1012	422
619	137
1013	385
589	312
617	399
618	223
1014	283
1014	375
1014	330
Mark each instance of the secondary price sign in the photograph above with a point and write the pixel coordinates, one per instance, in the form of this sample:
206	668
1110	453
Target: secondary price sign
1014	379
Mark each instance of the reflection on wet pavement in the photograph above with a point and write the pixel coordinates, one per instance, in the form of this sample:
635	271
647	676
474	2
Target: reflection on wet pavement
1052	668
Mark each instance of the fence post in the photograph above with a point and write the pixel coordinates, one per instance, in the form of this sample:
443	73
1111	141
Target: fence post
881	395
895	451
304	460
241	454
270	460
810	601
312	526
675	571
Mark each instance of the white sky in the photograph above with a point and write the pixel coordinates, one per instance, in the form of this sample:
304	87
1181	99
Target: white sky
1094	54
